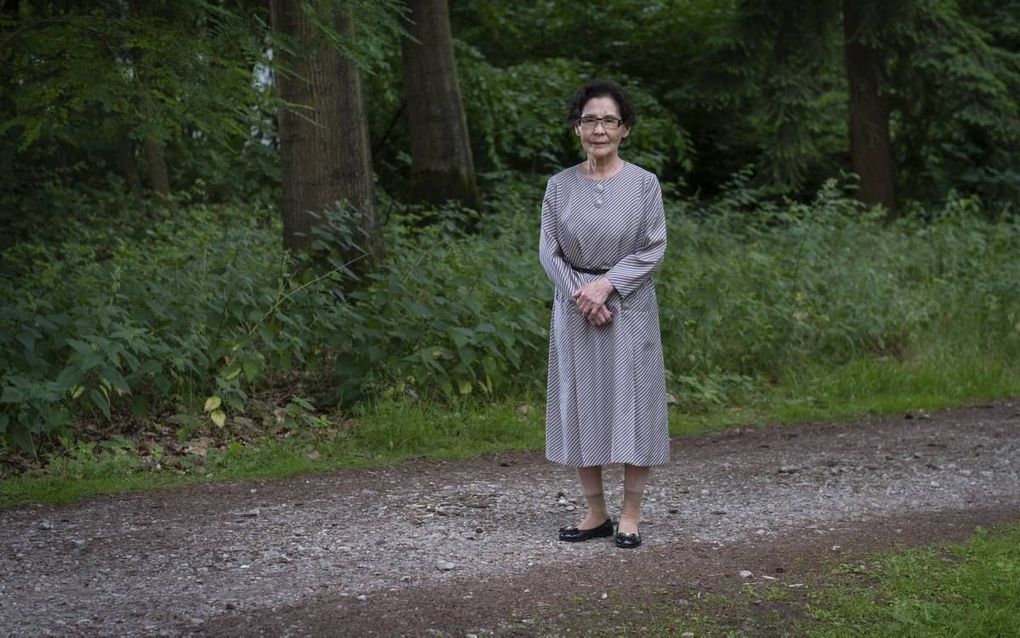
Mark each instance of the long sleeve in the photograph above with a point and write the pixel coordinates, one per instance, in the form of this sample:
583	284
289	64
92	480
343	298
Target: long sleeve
550	253
633	270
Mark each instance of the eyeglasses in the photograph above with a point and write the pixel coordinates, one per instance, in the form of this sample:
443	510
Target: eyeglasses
609	123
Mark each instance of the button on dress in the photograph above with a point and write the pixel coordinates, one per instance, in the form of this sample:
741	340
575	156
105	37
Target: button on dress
607	390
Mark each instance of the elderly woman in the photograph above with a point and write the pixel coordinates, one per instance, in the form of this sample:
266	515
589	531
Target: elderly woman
603	235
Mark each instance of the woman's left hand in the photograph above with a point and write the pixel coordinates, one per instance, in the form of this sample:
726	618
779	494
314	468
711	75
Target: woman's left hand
592	295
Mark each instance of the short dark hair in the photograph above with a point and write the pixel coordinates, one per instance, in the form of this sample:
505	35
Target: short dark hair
602	88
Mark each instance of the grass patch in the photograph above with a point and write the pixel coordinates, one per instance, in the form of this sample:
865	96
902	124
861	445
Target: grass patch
943	371
959	589
968	589
931	380
388	432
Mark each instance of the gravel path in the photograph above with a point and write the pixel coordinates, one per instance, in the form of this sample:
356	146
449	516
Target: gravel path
224	558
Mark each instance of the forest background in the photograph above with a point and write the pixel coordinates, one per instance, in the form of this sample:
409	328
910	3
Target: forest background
246	237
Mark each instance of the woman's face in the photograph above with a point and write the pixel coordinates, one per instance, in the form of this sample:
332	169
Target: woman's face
600	142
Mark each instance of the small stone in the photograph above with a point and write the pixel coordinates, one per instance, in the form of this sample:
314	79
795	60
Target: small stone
673	510
230	605
687	634
479	530
788	469
745	574
604	595
445	566
45	525
79	543
835	548
252	513
362	597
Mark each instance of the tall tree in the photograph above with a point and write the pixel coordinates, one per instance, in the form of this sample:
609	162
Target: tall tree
155	155
140	86
871	155
441	164
324	148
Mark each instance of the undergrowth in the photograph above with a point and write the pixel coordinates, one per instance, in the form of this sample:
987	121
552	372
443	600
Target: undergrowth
182	320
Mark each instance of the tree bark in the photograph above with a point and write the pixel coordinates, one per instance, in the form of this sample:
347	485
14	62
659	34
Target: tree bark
155	157
870	146
128	164
441	164
159	179
324	147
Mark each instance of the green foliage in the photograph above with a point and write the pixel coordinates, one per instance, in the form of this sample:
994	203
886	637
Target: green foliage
763	82
182	303
518	116
751	295
959	118
87	90
147	74
960	590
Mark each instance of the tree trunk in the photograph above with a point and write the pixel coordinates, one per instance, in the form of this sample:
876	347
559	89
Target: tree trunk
156	160
155	156
324	148
128	164
441	163
870	145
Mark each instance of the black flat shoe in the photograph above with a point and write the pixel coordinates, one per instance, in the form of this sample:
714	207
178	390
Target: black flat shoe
628	541
574	535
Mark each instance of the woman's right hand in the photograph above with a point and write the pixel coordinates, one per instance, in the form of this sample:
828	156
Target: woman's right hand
600	316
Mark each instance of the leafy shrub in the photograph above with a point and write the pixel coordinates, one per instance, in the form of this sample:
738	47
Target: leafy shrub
149	319
518	116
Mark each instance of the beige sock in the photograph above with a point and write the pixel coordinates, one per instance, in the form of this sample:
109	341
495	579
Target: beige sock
630	518
597	513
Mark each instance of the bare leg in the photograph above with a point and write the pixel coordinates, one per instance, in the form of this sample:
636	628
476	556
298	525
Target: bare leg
591	486
634	479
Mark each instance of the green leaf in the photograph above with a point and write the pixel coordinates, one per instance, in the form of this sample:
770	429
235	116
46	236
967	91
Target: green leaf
465	387
23	439
212	403
101	401
251	370
218	417
140	407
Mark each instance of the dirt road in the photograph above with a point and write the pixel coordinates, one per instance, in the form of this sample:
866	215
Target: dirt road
460	548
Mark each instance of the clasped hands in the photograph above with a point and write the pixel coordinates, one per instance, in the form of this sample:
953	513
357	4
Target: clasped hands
591	301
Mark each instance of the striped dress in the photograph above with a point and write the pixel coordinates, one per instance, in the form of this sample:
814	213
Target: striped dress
607	391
